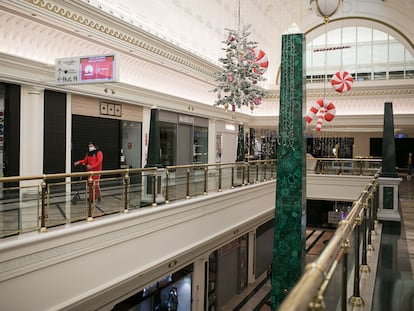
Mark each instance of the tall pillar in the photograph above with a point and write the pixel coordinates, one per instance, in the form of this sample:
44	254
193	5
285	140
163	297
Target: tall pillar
252	143
198	284
31	152
153	160
251	276
212	136
240	144
290	213
146	119
31	131
154	148
388	180
388	143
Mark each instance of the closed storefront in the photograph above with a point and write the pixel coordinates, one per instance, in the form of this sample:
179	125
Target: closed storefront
115	127
183	139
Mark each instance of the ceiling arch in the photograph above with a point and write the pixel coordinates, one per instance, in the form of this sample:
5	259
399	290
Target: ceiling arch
321	28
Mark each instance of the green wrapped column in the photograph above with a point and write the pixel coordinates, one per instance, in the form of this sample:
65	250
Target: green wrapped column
290	213
388	143
388	180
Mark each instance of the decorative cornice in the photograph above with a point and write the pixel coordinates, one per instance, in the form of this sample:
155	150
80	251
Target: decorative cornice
153	47
181	58
355	93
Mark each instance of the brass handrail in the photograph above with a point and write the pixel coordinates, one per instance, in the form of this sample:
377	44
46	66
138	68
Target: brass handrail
307	289
45	197
248	172
338	166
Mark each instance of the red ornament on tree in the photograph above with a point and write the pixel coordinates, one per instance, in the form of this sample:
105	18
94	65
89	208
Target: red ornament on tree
260	59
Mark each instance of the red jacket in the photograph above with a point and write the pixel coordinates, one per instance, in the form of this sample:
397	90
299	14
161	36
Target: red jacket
94	159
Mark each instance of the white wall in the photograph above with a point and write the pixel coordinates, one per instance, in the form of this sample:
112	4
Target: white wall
362	143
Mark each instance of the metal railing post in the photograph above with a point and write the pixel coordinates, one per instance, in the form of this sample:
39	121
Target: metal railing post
364	263
167	186
219	181
188	184
154	189
272	168
232	176
318	301
205	179
248	173
43	216
356	300
91	198
257	173
317	304
243	174
374	210
127	185
370	247
344	287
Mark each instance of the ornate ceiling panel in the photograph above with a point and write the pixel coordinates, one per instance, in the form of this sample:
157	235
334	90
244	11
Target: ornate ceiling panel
173	46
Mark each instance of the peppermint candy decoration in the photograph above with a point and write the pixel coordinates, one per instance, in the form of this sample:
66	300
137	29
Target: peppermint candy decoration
326	111
260	59
342	81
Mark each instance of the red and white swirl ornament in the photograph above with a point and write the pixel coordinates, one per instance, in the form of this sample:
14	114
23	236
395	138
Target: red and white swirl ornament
326	111
260	59
342	81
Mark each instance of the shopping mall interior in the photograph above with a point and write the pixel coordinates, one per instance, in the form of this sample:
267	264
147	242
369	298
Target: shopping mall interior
221	123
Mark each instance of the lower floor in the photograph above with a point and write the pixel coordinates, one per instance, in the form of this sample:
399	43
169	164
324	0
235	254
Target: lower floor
394	281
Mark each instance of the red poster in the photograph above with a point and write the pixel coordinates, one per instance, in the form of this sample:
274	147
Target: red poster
97	68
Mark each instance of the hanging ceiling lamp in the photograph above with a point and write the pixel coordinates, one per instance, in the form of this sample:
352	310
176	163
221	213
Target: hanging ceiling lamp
325	8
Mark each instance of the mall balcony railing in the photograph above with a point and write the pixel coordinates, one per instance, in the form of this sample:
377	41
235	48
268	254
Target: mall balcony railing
345	166
342	266
37	203
40	202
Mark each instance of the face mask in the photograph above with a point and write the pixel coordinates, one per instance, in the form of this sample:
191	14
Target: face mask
92	148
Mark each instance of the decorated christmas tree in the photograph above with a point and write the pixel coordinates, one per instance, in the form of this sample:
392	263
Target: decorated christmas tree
237	83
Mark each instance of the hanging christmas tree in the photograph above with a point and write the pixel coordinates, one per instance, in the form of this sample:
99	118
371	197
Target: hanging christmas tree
237	83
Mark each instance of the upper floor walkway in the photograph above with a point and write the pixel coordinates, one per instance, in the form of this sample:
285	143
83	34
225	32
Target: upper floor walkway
156	221
36	203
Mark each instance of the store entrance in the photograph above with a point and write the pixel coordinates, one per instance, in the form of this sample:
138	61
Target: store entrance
105	133
171	293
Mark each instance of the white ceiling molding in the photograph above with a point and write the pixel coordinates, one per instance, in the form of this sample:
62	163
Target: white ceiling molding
154	71
83	21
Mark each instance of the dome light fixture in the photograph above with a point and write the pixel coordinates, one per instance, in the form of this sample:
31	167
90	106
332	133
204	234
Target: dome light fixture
325	8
